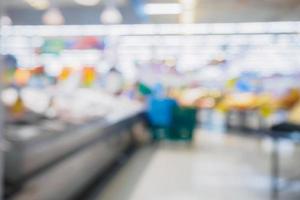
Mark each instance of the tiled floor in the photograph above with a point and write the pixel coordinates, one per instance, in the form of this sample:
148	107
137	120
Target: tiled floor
215	167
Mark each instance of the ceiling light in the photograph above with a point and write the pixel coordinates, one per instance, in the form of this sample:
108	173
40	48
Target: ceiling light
5	20
39	4
162	8
188	11
87	2
111	15
53	16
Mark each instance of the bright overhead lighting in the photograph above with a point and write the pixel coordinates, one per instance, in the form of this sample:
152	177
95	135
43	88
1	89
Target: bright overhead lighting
39	4
5	20
111	15
162	9
53	16
87	2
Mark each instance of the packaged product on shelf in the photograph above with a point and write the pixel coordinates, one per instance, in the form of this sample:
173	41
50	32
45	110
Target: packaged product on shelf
290	98
114	81
294	114
88	76
22	76
65	73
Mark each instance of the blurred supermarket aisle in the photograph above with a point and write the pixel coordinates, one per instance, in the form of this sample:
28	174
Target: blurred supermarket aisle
217	166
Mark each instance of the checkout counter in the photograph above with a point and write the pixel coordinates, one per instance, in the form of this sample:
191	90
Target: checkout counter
56	160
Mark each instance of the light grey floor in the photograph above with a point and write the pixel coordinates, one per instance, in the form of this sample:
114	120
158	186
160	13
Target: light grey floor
215	167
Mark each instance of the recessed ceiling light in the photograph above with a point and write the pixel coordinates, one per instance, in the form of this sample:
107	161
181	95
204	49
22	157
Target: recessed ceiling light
38	4
87	2
53	16
5	20
111	15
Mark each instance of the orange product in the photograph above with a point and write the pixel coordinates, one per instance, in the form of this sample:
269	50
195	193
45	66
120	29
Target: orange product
65	73
22	76
290	99
38	70
88	76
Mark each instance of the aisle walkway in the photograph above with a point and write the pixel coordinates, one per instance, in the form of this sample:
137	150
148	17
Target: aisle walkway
216	167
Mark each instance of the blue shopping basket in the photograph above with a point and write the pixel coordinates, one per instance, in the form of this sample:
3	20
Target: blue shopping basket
160	111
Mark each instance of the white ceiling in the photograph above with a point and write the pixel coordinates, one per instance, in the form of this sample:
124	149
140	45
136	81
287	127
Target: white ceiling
284	3
23	4
210	10
214	3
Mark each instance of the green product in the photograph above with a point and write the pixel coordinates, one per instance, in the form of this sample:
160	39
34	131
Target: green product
144	89
54	46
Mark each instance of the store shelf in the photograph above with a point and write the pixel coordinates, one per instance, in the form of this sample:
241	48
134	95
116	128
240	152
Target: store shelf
156	29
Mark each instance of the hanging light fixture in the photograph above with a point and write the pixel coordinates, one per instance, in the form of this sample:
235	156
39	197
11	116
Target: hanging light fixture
53	16
87	2
111	15
38	4
5	20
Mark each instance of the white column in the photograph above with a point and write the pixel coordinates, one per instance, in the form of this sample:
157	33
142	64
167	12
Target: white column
188	15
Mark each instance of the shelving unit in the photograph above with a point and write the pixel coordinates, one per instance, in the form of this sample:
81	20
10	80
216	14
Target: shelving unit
264	48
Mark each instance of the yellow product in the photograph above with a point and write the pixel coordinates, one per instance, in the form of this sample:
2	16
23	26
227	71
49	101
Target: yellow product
267	105
17	110
222	107
231	83
88	76
294	114
65	73
266	110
